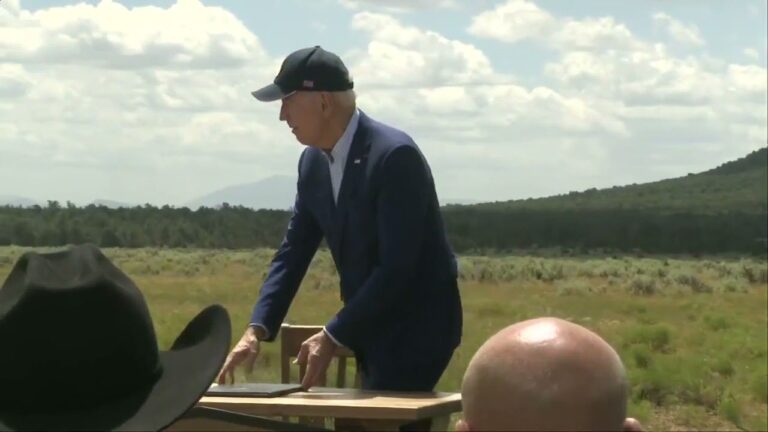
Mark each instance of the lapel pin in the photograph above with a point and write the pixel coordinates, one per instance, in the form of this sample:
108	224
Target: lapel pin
357	161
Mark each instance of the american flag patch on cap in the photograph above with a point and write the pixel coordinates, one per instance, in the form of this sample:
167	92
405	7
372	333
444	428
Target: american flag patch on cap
308	83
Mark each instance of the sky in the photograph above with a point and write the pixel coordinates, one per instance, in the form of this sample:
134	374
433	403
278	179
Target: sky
149	101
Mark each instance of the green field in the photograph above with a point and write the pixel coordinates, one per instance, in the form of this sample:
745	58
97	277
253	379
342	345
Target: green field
692	332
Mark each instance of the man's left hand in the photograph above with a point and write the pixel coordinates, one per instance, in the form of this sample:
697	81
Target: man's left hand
316	352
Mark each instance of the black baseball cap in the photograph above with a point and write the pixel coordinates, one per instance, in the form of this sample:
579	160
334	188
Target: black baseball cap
308	69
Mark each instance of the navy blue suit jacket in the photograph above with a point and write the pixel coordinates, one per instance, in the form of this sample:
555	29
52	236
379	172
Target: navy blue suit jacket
397	271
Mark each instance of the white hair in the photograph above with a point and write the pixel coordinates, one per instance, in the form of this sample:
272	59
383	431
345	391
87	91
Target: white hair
346	99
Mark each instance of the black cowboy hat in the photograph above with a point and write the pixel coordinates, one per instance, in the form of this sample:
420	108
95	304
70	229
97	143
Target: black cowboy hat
78	349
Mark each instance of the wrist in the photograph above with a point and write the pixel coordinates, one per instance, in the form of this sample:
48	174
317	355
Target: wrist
330	338
257	332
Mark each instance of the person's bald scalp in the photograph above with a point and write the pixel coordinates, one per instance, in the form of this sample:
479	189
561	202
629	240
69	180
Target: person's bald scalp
545	374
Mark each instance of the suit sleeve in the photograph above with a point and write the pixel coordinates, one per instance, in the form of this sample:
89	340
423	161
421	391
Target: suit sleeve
401	214
288	267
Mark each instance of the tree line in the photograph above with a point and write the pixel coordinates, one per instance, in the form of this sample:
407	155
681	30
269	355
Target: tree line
609	230
470	229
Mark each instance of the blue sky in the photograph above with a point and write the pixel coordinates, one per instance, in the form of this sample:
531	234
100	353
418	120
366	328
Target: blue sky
586	94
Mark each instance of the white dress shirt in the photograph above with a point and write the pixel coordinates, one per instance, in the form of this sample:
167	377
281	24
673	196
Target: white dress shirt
337	157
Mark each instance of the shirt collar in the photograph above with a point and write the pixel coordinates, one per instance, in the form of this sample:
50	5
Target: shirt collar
341	148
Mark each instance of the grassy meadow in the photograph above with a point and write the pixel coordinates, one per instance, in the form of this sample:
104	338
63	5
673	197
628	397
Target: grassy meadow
692	332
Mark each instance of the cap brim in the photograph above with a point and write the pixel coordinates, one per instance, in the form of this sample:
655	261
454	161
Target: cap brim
270	93
189	369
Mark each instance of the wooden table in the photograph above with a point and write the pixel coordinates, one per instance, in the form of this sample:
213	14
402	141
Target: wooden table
351	409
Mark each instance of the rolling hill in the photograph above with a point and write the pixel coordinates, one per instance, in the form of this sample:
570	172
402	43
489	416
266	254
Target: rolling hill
740	185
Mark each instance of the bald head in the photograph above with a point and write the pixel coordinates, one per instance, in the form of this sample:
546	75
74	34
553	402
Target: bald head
545	374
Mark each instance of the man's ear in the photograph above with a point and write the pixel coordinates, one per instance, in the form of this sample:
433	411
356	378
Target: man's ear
326	102
632	425
462	426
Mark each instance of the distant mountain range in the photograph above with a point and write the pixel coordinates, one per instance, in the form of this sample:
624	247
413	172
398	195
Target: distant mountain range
275	192
16	201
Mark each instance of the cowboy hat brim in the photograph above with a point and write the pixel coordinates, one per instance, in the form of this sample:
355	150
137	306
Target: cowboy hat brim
188	369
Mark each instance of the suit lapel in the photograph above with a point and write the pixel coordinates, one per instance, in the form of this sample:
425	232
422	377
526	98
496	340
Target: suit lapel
357	160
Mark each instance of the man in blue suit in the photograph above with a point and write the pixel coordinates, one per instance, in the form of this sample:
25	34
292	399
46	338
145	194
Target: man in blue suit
367	189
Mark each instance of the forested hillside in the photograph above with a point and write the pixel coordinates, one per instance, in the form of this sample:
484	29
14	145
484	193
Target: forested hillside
736	186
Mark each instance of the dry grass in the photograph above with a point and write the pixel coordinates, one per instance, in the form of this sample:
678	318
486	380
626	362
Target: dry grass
691	332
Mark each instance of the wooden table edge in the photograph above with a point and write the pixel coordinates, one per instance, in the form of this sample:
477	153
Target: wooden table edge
450	403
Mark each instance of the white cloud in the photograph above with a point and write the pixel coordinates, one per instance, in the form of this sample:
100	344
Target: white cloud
9	8
513	21
518	20
451	100
400	55
646	76
684	34
748	79
665	100
186	35
14	81
592	34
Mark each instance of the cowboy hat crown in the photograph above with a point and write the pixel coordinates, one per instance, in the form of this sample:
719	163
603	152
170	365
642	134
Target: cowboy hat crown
78	348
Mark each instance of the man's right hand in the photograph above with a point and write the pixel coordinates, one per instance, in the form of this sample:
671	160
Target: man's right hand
246	350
